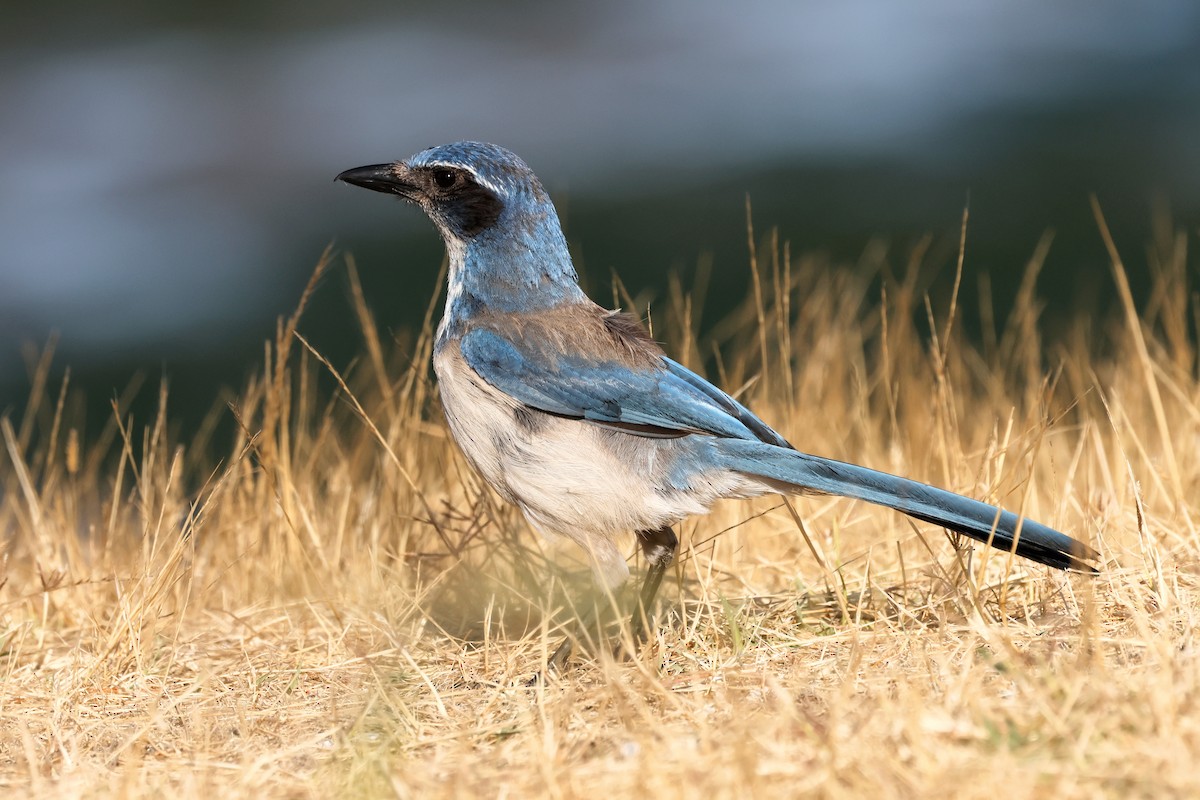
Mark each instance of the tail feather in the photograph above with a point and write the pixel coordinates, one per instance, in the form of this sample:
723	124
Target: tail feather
801	472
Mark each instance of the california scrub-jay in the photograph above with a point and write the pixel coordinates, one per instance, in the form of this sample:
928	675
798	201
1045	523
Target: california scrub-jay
577	416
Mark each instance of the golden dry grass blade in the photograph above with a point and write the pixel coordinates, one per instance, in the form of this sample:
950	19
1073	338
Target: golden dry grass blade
1143	355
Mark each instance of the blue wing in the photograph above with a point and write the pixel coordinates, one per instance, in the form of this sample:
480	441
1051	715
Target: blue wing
670	400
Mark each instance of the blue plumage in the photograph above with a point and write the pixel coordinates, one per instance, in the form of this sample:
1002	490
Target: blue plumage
574	414
572	385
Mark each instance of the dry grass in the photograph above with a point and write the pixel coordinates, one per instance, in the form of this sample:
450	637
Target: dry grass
338	607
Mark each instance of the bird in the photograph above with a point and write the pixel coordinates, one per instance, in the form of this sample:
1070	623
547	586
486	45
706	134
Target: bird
574	414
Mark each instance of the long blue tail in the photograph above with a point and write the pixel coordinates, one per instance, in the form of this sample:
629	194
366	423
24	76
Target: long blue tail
801	472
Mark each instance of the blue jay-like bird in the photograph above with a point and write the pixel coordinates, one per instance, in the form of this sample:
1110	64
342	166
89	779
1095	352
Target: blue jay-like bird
577	416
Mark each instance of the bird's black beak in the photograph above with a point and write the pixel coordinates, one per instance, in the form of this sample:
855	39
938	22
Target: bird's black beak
388	178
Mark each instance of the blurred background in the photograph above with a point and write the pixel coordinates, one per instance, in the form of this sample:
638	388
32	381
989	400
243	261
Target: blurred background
166	168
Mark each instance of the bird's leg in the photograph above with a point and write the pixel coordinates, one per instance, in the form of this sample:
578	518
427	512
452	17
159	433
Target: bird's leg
659	547
558	659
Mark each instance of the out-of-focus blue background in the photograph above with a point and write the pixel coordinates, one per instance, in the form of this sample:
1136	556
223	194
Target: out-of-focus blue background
166	169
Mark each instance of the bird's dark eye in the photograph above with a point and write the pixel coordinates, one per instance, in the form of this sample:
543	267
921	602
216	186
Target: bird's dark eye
445	178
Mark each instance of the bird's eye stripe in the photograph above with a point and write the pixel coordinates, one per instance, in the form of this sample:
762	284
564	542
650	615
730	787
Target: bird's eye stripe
469	174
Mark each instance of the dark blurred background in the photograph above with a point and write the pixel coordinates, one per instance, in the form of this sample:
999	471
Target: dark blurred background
166	168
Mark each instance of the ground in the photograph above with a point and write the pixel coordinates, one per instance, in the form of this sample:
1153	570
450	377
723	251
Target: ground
332	604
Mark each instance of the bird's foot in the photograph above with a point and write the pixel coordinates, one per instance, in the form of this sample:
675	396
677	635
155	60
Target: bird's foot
555	665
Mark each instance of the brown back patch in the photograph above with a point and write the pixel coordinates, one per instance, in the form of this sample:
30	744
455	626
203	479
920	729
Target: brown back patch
583	329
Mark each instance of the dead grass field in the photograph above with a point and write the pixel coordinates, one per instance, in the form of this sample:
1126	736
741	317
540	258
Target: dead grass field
338	607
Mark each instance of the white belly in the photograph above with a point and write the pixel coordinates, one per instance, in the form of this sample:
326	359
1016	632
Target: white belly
573	478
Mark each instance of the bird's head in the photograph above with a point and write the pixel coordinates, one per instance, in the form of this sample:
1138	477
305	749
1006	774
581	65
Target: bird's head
507	251
466	188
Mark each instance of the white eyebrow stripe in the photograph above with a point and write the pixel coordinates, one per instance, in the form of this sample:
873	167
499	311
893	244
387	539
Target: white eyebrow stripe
482	181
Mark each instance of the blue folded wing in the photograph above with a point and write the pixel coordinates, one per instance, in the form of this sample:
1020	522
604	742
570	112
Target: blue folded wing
760	429
666	400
